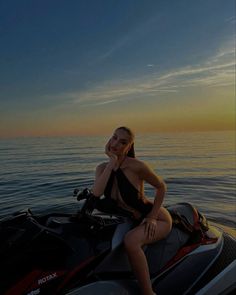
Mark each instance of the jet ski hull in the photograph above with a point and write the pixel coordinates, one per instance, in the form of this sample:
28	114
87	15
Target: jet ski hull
76	253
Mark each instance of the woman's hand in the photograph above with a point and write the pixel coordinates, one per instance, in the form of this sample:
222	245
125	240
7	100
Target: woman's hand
113	158
150	227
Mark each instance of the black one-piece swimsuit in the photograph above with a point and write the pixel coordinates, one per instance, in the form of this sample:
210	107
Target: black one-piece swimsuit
128	192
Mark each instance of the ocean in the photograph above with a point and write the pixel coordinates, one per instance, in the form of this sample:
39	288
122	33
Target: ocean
41	173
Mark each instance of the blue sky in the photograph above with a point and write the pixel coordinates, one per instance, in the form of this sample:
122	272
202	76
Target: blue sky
70	67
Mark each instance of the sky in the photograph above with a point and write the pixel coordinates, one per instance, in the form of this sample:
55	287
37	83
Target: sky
85	67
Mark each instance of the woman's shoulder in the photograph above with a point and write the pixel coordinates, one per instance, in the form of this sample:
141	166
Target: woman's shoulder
136	163
140	168
102	166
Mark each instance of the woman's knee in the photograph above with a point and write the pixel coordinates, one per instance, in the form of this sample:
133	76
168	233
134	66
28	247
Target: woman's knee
128	241
131	242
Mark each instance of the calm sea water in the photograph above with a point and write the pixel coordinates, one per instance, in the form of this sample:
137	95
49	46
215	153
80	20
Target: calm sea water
41	173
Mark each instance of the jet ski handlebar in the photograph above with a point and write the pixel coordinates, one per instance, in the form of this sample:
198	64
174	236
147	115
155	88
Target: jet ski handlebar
104	205
82	195
90	200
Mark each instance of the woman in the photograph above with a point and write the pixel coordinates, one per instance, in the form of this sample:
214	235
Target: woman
122	179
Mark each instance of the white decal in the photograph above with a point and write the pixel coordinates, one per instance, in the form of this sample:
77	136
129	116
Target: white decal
47	278
34	292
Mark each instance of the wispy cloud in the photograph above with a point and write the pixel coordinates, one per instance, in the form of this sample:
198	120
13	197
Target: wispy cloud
119	44
217	71
131	35
231	19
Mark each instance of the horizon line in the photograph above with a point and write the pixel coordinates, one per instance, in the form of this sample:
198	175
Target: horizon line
107	133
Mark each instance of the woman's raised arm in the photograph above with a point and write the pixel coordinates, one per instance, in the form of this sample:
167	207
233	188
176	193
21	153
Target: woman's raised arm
158	183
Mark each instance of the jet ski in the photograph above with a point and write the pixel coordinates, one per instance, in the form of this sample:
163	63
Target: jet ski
82	253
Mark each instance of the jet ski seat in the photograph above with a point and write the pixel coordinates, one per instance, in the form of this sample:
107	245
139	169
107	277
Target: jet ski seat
160	253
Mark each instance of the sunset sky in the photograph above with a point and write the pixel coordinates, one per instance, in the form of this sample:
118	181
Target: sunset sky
71	67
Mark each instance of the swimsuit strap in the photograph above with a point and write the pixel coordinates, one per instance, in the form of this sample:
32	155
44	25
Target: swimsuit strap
128	192
124	184
108	188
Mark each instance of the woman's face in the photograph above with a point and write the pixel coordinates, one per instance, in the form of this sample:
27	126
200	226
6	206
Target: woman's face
120	142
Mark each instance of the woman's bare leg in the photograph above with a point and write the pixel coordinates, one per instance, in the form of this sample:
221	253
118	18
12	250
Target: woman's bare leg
138	263
134	240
